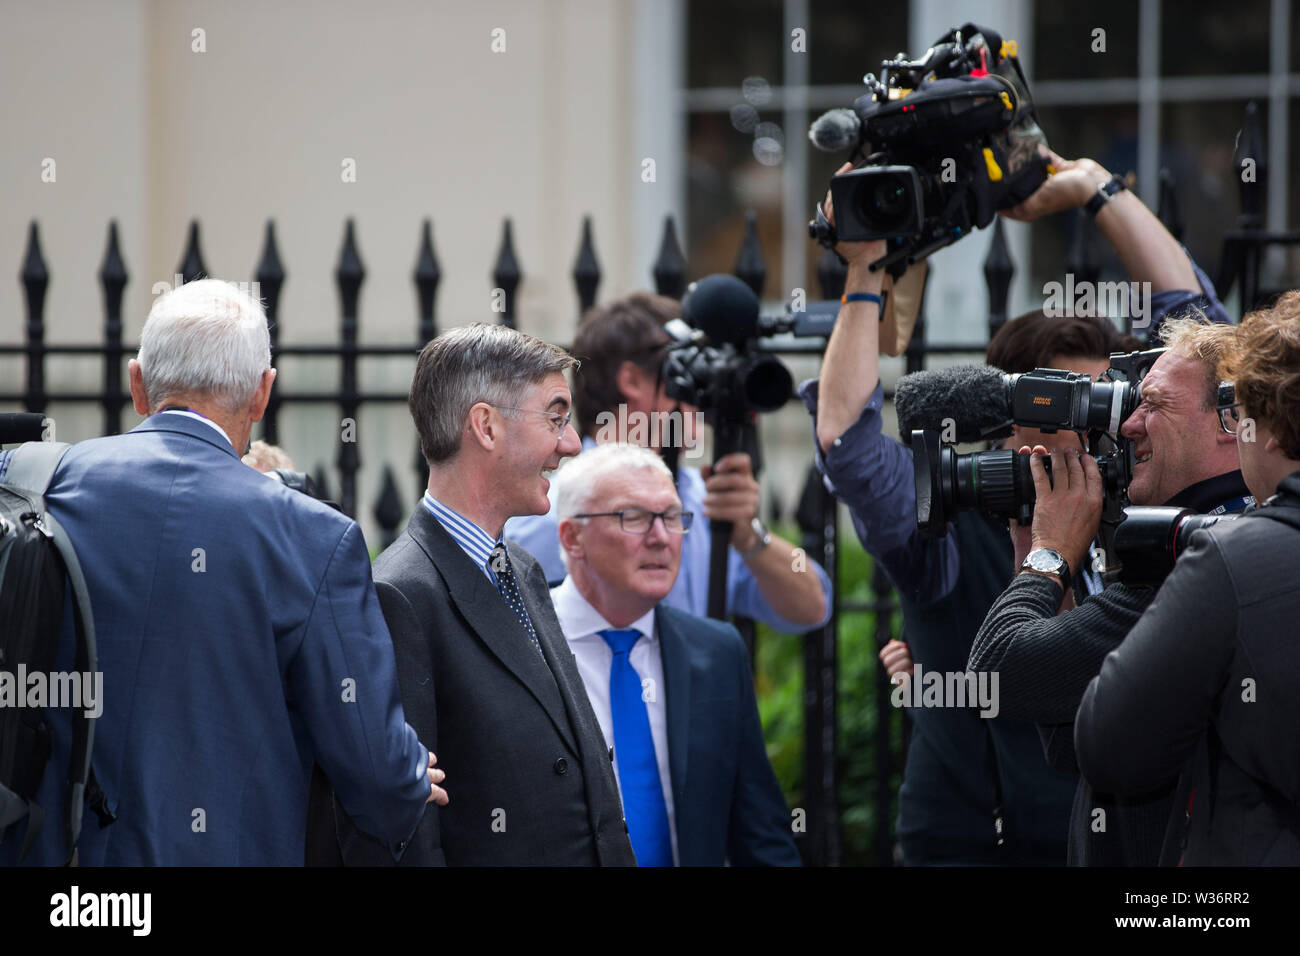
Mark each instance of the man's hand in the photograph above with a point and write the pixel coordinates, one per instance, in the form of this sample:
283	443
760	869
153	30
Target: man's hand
897	660
436	793
1070	187
731	494
1067	510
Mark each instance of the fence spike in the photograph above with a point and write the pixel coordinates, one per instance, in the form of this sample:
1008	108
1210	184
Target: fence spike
322	487
670	267
506	275
427	276
998	270
586	270
750	267
1167	209
1250	154
388	507
349	273
1079	258
113	278
36	279
832	273
192	266
270	280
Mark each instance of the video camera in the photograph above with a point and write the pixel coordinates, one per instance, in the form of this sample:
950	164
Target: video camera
998	482
946	141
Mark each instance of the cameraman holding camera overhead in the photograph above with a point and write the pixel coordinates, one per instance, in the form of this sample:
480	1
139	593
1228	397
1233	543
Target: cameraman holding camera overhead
965	775
1205	684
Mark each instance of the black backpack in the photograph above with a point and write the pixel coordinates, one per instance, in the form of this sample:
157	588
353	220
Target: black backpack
37	564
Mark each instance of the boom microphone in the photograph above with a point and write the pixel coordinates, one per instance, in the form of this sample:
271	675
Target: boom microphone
723	308
836	130
972	398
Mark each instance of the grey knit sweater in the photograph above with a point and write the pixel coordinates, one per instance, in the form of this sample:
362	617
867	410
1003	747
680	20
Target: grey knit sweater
1044	664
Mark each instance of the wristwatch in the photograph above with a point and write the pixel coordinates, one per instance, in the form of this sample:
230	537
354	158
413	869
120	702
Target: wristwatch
764	539
1104	194
1048	561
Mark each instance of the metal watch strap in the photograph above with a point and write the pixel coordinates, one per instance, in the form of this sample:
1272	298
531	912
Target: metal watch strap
764	538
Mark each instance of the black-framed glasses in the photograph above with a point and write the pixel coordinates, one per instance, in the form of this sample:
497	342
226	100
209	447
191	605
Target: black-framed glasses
1228	407
640	521
558	422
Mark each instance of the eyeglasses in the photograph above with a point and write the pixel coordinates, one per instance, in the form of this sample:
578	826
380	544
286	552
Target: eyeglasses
558	422
640	521
1228	407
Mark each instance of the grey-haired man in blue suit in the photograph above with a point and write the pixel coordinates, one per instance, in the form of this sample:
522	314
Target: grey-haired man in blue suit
239	634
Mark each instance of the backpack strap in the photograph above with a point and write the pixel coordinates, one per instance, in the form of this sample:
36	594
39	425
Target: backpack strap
31	469
32	466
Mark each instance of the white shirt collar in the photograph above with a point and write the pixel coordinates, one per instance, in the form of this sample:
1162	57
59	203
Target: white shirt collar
207	421
579	620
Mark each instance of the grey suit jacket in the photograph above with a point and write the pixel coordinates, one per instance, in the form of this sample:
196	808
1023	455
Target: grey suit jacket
528	773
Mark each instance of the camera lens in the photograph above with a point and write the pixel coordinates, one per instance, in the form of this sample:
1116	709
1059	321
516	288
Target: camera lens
886	204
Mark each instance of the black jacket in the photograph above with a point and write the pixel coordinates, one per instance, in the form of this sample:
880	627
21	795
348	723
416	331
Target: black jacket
528	772
1045	661
1206	686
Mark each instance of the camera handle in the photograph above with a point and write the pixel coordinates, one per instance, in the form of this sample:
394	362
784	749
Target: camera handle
728	436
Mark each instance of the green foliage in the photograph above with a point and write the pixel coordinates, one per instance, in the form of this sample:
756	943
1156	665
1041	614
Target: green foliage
780	689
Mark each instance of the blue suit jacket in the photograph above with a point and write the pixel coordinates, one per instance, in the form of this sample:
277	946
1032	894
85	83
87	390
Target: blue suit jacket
239	639
726	800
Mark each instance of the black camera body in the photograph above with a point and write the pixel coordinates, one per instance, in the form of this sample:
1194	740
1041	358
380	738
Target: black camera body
998	482
1149	540
713	360
946	140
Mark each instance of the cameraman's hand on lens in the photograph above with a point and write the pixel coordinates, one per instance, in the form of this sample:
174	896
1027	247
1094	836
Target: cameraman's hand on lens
1067	508
861	254
897	661
1070	187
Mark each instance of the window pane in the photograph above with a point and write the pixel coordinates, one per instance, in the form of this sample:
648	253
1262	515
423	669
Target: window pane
728	40
847	40
1211	37
1065	38
725	179
1197	142
1107	134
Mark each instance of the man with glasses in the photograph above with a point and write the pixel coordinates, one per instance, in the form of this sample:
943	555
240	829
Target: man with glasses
672	692
486	678
622	346
1186	457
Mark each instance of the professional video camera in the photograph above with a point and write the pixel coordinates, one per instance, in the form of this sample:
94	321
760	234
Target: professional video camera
713	362
973	403
946	141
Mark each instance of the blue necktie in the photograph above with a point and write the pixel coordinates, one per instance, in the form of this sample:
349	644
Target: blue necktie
634	749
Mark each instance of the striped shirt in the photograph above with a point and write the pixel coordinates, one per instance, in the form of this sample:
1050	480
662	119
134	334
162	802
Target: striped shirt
473	540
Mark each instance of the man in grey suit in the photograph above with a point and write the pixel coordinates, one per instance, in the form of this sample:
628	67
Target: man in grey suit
486	677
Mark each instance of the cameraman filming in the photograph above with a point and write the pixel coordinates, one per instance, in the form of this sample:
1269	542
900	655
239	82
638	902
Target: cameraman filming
1044	662
967	777
1205	684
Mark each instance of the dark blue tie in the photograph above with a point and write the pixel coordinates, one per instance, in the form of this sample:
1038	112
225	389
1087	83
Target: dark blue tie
499	562
634	749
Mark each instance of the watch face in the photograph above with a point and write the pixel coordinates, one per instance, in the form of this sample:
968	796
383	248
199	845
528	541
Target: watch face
1045	559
